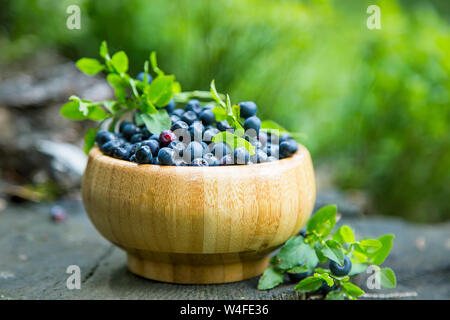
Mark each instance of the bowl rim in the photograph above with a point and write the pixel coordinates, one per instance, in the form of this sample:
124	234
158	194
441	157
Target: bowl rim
97	154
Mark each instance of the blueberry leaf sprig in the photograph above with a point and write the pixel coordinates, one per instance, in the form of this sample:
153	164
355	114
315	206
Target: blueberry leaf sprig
145	97
347	257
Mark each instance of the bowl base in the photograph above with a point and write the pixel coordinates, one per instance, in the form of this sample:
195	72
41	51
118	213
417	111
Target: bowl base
197	273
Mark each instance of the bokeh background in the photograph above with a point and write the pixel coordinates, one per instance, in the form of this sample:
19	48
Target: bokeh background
373	106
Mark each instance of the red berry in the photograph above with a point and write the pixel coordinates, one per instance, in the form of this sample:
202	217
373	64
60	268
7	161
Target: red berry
166	137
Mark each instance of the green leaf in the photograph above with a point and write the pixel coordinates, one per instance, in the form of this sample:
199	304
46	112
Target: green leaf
216	95
234	141
96	113
112	106
160	91
71	111
120	62
344	235
318	249
326	277
333	251
294	253
381	254
323	221
119	85
387	278
89	139
89	66
157	122
351	290
309	284
357	268
219	113
272	125
335	295
298	269
154	64
370	245
236	109
104	50
270	278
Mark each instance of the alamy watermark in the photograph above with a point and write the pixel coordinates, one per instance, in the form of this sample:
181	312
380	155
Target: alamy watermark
374	20
74	280
73	21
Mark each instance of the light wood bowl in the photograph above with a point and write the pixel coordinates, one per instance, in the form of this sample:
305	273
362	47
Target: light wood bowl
194	224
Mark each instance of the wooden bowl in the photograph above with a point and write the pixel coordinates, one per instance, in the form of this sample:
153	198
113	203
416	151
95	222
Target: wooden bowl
197	224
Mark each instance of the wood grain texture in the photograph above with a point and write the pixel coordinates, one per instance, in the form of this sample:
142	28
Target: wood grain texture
194	224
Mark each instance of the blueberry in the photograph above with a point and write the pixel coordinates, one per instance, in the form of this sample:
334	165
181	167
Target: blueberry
227	160
296	277
194	105
211	159
140	77
339	270
189	117
199	162
248	109
221	149
205	147
154	137
252	126
122	152
123	124
178	112
285	137
179	125
166	156
154	146
104	136
145	133
223	125
288	148
170	106
196	131
193	150
241	156
209	134
144	155
174	118
207	116
166	137
259	157
109	147
137	137
129	130
134	147
325	288
262	138
272	138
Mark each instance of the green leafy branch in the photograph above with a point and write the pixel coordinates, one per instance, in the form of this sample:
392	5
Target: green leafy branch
131	94
301	254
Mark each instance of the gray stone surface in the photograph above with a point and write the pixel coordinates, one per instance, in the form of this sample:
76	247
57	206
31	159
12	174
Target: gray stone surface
35	252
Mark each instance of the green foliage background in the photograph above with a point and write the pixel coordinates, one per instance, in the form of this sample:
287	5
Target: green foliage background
373	104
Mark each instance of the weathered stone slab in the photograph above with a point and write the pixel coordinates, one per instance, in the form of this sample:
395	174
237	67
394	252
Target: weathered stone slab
35	252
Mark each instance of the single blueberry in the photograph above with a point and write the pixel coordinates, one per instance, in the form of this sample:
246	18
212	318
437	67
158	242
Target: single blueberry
154	146
166	156
154	137
174	118
193	150
341	270
129	130
285	137
252	126
109	147
248	109
241	156
178	147
122	152
123	124
288	148
194	105
180	125
221	149
134	147
166	137
140	77
170	106
144	155
178	112
207	117
137	137
199	162
189	117
104	136
325	288
227	160
296	277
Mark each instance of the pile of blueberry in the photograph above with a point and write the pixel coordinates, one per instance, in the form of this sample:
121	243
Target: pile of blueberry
189	141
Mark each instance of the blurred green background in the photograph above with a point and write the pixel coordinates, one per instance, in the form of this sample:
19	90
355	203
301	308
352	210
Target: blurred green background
373	105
